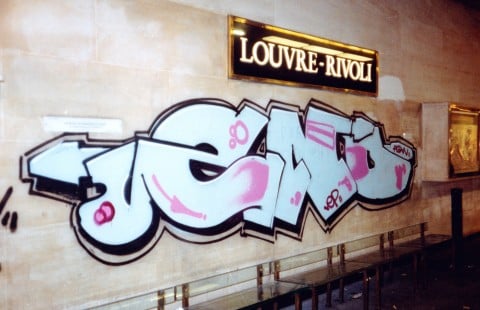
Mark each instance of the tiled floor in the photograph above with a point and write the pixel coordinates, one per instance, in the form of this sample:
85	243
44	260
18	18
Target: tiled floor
446	288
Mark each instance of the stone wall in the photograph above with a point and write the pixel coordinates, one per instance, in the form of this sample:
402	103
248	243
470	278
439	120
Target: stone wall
132	60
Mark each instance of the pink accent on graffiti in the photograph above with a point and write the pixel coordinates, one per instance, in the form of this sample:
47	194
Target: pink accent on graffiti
400	171
257	176
402	150
176	206
333	200
359	167
321	133
239	134
347	183
104	213
295	200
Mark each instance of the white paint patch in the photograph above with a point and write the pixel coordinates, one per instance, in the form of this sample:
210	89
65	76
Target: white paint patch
390	88
81	124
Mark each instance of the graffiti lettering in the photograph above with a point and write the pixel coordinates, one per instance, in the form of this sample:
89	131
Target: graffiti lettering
247	171
399	149
333	200
8	217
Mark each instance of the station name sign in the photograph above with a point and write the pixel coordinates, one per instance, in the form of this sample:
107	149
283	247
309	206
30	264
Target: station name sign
270	54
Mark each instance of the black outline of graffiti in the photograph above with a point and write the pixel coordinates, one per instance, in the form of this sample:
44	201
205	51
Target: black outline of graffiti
75	194
12	217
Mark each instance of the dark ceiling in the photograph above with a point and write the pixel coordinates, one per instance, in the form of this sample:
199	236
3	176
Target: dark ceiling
472	4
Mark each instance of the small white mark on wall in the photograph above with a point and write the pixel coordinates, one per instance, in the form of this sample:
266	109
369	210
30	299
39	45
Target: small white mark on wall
81	124
390	88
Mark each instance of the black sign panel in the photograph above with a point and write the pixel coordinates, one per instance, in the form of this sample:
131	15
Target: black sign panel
271	54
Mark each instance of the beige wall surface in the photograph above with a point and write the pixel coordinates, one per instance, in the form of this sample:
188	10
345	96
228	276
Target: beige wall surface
131	60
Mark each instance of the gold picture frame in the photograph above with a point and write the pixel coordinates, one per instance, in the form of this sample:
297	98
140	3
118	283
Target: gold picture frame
463	141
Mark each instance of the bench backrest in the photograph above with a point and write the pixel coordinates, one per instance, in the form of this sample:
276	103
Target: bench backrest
379	240
302	260
255	274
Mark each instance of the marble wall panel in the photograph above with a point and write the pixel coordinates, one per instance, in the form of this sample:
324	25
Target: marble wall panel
160	35
132	60
39	87
259	10
53	28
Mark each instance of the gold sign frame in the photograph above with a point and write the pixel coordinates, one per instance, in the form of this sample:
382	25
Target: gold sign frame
463	139
269	54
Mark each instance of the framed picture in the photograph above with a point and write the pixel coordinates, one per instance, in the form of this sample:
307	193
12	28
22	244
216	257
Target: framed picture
463	141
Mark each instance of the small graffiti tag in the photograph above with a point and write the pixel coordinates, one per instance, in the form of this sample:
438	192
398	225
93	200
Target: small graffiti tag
207	169
8	219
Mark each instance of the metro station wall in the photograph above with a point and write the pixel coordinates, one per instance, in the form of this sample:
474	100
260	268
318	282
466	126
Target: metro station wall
135	60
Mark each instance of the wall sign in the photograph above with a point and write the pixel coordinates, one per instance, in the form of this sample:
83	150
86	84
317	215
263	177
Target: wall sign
207	169
271	54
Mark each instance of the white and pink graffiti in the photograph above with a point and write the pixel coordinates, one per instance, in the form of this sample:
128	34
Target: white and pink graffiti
207	169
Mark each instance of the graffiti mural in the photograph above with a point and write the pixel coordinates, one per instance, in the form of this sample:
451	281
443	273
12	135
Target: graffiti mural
206	170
